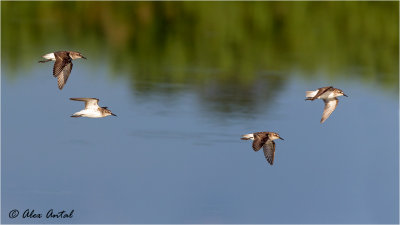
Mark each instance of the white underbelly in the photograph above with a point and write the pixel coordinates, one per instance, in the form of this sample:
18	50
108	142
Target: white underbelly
90	113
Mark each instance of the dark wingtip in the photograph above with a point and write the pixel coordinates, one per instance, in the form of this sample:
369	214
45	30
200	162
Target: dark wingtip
281	138
114	114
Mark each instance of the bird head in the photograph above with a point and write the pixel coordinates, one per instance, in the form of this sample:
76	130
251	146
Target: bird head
76	55
108	112
339	92
273	136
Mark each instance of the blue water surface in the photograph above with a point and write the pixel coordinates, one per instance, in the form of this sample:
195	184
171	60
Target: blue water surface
170	159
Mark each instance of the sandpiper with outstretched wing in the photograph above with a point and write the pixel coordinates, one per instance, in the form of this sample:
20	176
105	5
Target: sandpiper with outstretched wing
265	140
329	95
63	65
92	109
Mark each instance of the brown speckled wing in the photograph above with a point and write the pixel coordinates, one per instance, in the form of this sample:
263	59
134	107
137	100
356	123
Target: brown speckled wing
321	91
90	103
63	75
269	151
257	143
62	59
62	68
259	139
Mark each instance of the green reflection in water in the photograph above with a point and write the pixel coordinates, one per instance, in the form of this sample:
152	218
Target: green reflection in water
228	43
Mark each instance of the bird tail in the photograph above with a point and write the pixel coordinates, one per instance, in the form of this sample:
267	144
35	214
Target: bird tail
76	115
310	94
50	56
247	137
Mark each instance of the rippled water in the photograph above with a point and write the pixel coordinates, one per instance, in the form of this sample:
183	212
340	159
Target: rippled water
174	154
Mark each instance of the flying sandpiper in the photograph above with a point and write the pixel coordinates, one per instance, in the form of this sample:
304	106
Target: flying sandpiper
92	109
328	94
63	65
265	140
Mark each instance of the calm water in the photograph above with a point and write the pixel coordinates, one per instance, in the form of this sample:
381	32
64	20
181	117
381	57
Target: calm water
174	154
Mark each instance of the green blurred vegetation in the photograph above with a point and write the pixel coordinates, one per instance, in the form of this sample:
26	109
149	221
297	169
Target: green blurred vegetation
227	42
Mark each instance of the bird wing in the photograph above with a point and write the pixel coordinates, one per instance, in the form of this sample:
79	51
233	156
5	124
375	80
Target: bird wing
62	77
62	68
269	151
259	139
330	106
257	143
90	103
321	91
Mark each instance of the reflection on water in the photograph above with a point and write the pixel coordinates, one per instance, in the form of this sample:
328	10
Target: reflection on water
233	98
225	42
221	48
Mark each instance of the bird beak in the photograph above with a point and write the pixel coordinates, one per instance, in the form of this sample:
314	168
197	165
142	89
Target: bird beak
281	138
83	57
345	95
114	114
